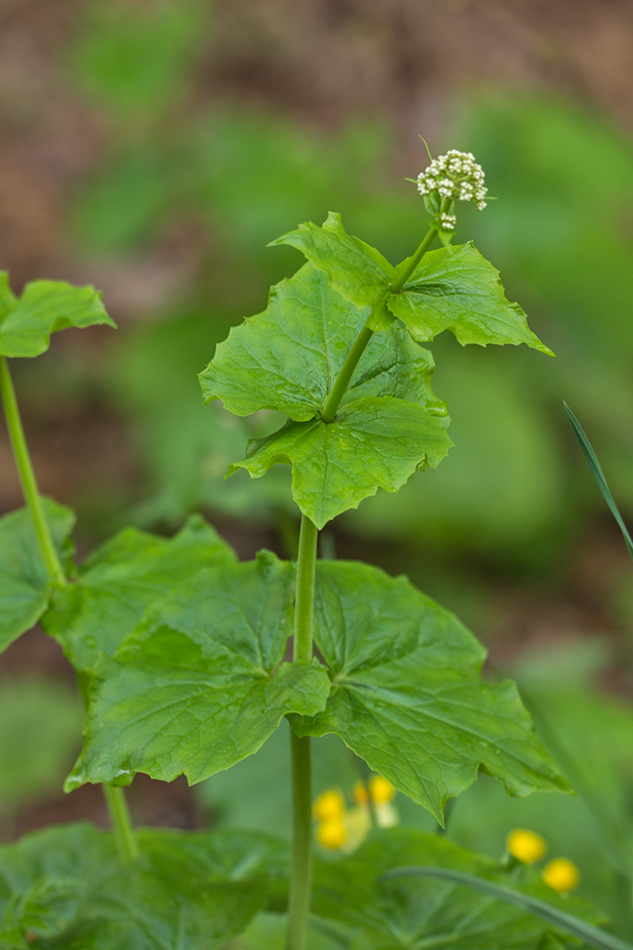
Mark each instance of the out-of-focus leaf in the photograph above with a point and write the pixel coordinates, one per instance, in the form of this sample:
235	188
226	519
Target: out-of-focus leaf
415	912
24	587
532	905
200	683
66	888
45	306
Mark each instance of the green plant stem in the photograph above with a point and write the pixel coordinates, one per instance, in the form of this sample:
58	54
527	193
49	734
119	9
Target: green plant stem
342	381
121	822
115	797
407	267
345	374
304	597
301	878
26	474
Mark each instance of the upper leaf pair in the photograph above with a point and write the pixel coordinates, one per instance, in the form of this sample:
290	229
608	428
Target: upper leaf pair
287	358
389	422
452	289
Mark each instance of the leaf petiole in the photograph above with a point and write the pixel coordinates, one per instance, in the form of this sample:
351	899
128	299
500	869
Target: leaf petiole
26	474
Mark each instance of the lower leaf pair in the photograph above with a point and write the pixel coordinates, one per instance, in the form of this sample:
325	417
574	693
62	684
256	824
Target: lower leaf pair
201	682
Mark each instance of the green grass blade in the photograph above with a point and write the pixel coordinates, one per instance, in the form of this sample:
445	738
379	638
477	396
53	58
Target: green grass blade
532	905
598	474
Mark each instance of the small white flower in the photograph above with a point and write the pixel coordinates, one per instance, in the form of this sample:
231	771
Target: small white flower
455	175
448	221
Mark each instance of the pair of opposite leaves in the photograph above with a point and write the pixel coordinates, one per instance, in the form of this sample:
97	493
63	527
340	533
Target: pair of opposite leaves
389	422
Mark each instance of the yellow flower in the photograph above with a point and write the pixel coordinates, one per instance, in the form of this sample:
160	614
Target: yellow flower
330	805
360	794
381	790
332	833
525	845
562	875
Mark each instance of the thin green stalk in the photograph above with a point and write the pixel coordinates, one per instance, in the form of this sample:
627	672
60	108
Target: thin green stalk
115	797
304	598
121	822
342	381
345	374
301	878
26	474
407	268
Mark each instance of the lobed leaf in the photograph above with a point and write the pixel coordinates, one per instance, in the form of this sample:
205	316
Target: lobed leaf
119	580
66	889
567	922
288	357
407	696
354	269
372	443
452	288
460	291
382	912
24	586
201	683
45	306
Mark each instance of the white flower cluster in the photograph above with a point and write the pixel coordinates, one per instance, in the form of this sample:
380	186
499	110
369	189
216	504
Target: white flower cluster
455	175
448	221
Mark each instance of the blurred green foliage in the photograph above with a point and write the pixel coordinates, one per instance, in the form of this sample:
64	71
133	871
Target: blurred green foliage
40	725
133	58
561	234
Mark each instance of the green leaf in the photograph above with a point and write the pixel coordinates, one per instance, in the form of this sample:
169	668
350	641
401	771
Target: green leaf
394	912
407	696
24	588
451	289
288	357
461	291
356	270
66	888
45	307
117	582
532	905
596	470
372	443
200	684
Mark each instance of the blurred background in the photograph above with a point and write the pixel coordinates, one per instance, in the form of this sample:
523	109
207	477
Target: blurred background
153	148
